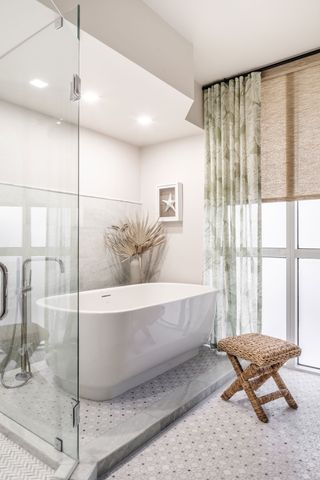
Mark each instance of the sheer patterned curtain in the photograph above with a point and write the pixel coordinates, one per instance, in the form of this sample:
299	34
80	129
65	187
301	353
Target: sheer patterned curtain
233	204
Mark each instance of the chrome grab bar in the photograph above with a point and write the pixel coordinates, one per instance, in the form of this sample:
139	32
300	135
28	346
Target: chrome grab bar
4	290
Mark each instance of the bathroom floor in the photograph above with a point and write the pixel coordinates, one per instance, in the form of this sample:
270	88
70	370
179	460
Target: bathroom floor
216	439
41	403
224	440
16	463
43	407
99	417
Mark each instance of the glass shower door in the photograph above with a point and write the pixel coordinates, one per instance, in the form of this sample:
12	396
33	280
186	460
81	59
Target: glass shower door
39	136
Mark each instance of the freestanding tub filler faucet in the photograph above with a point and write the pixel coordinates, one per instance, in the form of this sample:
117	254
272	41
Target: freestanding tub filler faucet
25	374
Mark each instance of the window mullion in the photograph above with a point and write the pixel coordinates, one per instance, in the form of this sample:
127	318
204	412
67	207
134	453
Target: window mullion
291	272
275	252
307	253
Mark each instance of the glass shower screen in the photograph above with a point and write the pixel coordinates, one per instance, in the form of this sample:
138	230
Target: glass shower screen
39	221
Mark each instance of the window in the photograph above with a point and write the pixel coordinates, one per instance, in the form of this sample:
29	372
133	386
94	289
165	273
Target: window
11	220
274	269
274	308
309	311
308	221
291	275
290	181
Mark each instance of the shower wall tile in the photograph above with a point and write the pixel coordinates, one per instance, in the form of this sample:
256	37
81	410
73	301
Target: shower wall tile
58	224
96	215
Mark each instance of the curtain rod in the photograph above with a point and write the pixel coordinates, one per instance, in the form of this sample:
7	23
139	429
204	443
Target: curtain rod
265	67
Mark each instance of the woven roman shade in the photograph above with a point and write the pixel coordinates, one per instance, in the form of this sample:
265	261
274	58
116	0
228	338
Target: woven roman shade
290	131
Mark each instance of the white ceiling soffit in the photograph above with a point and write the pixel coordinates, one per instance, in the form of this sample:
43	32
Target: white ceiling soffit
19	19
135	31
234	36
125	90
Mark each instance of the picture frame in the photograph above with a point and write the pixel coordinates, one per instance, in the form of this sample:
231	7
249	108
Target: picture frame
169	202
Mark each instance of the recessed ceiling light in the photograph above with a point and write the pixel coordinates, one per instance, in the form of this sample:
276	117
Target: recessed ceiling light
144	120
90	97
36	82
58	122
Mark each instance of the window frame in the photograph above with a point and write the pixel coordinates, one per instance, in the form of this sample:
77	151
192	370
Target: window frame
292	253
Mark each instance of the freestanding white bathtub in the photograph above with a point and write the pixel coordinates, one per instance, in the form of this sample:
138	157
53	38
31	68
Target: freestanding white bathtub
132	333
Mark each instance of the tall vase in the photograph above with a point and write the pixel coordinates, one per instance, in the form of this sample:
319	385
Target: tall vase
135	270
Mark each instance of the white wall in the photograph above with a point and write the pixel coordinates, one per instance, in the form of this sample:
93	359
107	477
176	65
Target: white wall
36	152
108	167
178	161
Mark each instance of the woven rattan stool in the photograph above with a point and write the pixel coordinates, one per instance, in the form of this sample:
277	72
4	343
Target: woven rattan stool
267	355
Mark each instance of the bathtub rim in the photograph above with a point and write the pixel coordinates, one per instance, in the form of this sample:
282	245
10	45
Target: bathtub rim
41	302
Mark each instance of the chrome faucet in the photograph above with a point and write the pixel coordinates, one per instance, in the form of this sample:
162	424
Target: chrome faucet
25	374
26	282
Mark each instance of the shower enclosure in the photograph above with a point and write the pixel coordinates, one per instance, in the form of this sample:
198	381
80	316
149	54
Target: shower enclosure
39	163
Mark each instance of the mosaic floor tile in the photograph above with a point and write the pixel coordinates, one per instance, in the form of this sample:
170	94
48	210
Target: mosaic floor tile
43	403
224	440
98	417
17	464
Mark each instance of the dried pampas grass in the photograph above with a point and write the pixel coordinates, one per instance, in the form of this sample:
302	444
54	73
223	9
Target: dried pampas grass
136	238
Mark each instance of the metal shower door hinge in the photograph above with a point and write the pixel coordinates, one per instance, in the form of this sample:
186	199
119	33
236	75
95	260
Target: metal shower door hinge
76	414
58	23
75	91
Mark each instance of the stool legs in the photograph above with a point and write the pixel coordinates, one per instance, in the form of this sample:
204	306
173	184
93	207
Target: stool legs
251	379
282	386
243	383
235	387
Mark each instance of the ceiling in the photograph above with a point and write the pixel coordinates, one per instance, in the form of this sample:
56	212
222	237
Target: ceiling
19	20
234	36
228	38
125	90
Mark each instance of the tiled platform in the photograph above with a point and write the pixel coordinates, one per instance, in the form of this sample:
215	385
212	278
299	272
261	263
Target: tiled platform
97	418
157	403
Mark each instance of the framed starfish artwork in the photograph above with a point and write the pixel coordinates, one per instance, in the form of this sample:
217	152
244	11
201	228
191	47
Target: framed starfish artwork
170	202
